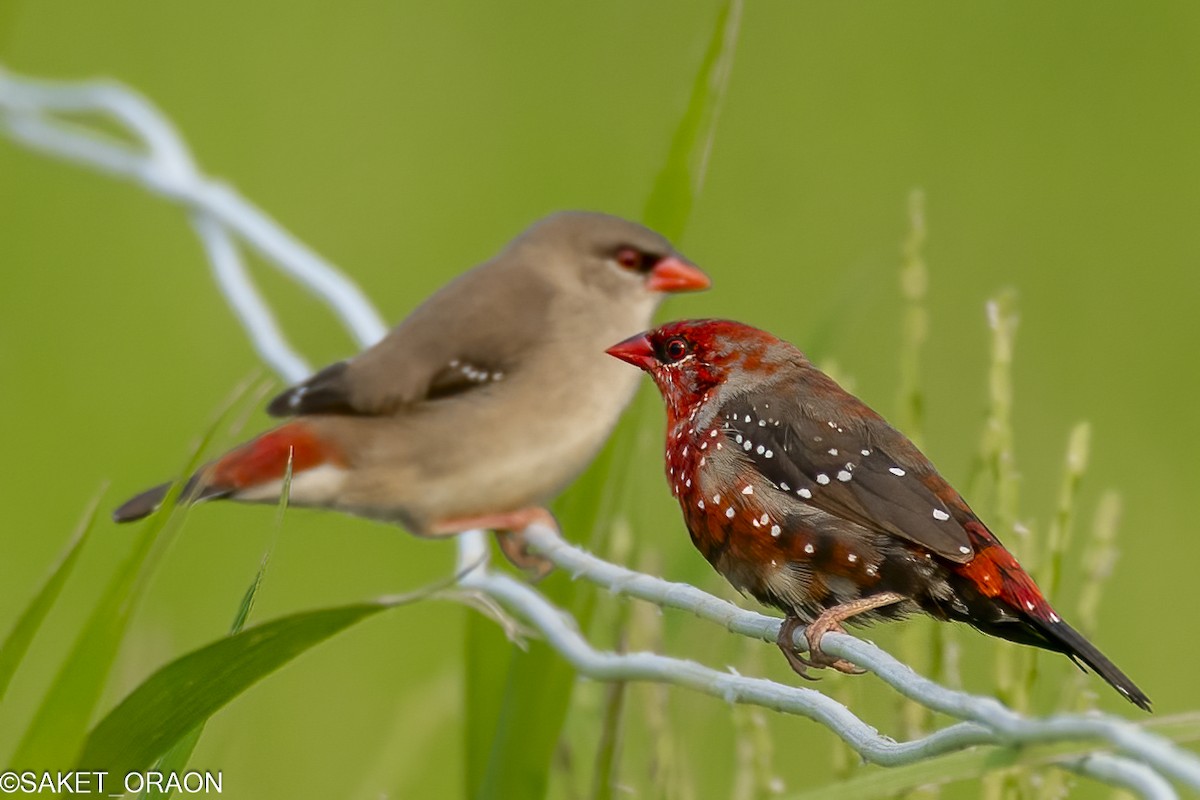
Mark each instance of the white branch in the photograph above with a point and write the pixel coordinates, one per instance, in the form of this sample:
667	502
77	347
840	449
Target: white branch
162	163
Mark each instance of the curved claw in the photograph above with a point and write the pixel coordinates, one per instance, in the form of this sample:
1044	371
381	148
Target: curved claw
512	544
816	659
797	662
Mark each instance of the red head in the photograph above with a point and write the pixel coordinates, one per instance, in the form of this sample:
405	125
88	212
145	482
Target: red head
693	361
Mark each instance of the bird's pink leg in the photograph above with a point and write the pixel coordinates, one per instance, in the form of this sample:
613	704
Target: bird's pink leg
510	535
831	619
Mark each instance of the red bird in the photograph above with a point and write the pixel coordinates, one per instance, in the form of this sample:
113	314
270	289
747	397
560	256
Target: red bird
806	499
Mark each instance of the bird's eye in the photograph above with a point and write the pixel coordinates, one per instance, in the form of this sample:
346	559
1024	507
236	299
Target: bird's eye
630	258
675	349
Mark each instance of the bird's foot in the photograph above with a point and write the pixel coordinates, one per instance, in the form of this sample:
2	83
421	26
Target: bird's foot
816	659
830	620
510	535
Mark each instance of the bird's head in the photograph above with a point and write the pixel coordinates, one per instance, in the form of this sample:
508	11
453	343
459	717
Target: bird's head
606	253
694	362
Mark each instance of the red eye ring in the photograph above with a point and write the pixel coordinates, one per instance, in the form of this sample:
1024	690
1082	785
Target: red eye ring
675	349
629	258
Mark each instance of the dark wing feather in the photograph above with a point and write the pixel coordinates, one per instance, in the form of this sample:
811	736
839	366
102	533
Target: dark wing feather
478	324
834	465
331	392
323	393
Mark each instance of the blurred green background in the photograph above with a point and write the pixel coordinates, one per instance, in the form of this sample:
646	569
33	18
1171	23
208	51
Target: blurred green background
1058	149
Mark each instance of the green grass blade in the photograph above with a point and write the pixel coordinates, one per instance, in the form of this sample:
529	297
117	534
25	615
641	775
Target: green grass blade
60	723
21	636
682	175
178	697
175	760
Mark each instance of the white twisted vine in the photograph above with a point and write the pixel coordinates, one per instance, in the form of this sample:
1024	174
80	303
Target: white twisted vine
158	159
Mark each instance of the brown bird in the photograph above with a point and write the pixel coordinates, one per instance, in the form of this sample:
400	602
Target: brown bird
806	499
479	407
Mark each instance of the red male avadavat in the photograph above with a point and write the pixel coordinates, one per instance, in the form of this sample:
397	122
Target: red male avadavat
806	499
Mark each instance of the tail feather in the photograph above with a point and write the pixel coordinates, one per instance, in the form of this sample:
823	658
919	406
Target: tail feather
259	462
1065	639
146	503
1001	599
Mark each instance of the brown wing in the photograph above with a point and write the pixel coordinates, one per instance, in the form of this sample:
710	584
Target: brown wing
835	466
331	391
470	333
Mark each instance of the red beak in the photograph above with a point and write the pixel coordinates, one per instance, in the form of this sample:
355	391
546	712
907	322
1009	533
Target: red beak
673	274
636	350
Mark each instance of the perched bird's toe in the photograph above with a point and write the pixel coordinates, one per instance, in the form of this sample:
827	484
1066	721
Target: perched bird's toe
516	550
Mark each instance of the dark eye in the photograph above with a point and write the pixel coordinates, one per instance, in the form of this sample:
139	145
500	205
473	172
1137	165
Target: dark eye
675	349
630	258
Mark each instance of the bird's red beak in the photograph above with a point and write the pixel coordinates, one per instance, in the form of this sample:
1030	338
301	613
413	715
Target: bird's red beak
673	274
635	350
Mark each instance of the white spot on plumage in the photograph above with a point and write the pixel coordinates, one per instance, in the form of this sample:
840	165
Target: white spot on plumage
833	451
1055	617
738	439
865	452
764	519
702	461
964	550
700	505
808	548
805	493
713	433
823	479
940	515
769	454
716	498
785	487
899	473
871	571
776	530
852	558
748	489
762	423
760	449
729	512
1029	605
747	418
843	475
688	483
748	445
704	445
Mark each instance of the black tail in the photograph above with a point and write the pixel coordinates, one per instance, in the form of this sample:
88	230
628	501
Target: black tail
1063	638
146	503
1039	627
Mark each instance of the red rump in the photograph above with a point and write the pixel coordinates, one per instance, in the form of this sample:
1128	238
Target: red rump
995	573
266	458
